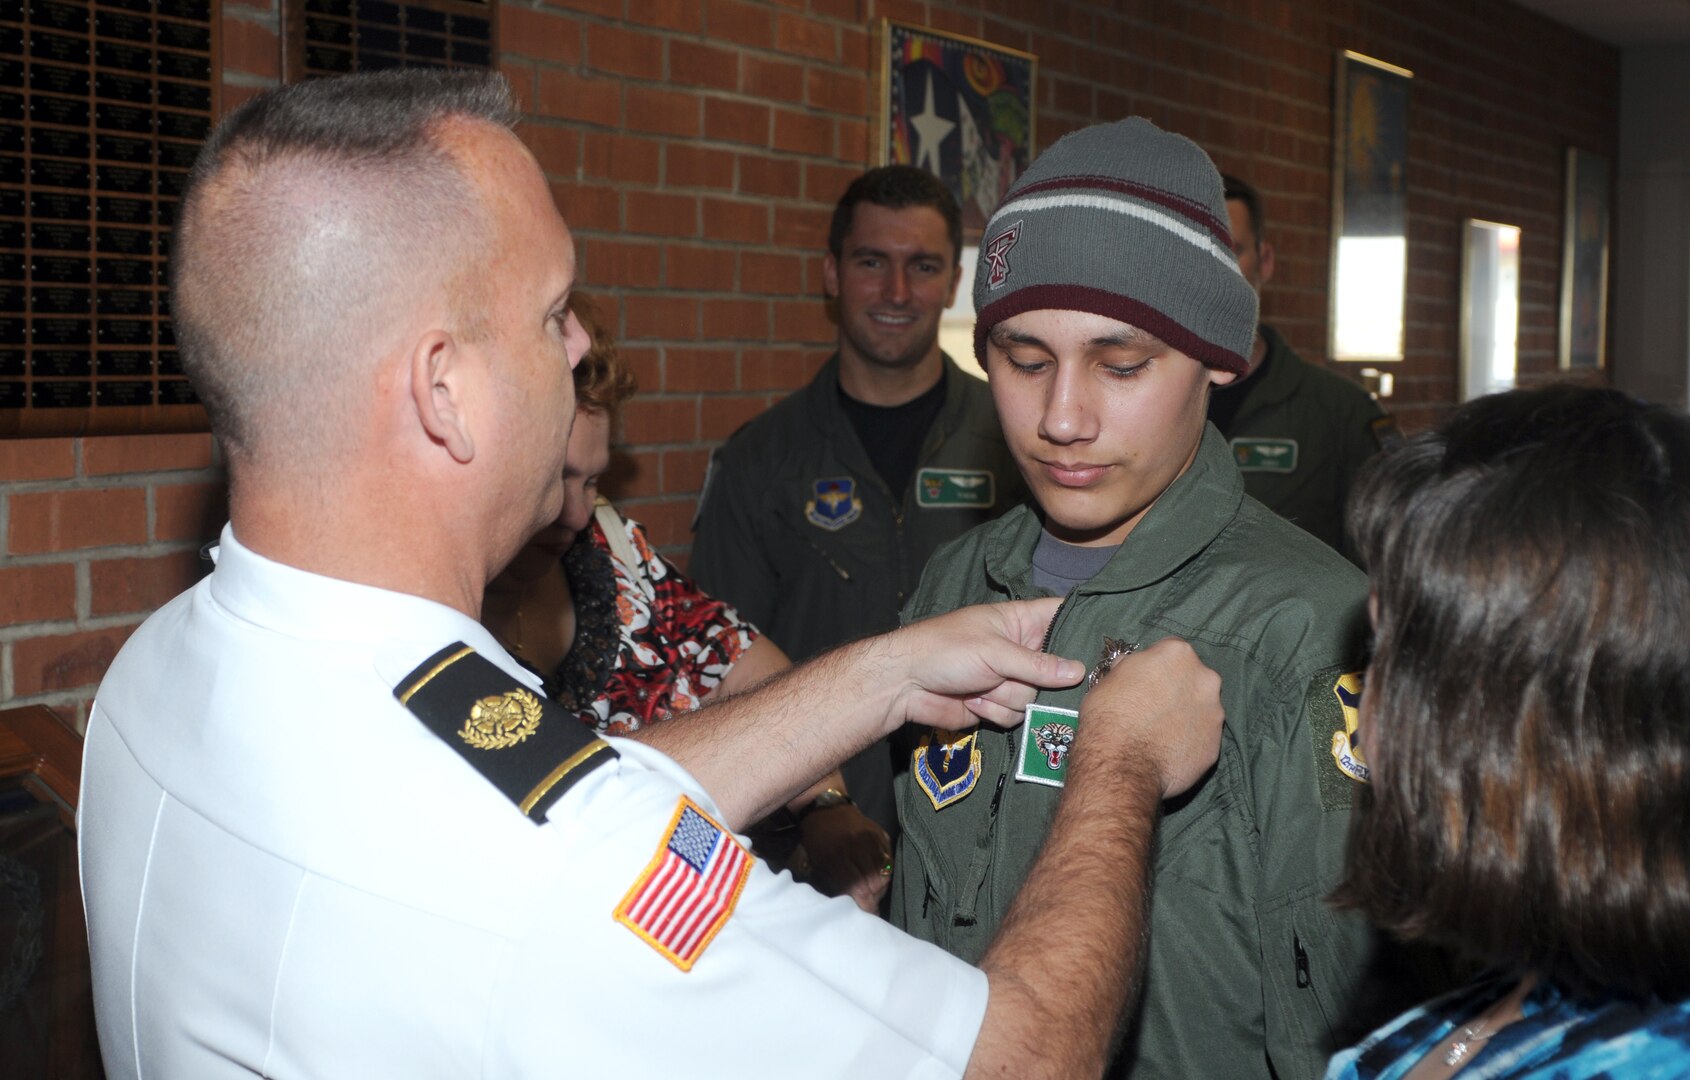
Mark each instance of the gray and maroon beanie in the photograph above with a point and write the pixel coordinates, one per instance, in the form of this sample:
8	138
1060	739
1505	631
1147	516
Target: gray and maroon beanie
1126	221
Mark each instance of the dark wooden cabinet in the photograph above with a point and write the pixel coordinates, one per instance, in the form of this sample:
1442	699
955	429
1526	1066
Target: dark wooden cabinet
46	997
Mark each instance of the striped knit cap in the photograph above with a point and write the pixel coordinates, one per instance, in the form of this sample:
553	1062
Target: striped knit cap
1126	221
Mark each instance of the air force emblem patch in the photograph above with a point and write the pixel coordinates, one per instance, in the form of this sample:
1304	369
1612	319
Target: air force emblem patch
1333	710
946	765
1346	744
836	503
997	256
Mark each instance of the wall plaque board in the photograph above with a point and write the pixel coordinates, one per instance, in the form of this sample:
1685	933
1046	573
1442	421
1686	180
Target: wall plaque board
337	37
103	105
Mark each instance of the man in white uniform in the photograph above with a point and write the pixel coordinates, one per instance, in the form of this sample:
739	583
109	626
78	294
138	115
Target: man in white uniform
328	827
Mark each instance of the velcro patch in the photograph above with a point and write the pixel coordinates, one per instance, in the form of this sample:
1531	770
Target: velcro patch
1046	739
524	744
1333	710
686	893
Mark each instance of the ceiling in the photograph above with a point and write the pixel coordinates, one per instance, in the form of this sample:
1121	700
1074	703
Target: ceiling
1621	22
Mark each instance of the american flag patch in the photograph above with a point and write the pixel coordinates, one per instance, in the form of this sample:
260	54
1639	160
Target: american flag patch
689	889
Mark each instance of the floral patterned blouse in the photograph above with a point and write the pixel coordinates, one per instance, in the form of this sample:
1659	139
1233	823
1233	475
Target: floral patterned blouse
648	644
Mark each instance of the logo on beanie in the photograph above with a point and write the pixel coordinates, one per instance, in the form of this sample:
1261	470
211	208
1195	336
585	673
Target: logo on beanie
997	256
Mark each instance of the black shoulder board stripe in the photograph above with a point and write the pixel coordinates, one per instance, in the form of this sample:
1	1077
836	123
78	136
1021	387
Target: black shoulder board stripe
524	744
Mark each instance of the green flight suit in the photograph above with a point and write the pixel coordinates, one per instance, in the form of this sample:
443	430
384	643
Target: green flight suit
1247	965
1300	436
812	576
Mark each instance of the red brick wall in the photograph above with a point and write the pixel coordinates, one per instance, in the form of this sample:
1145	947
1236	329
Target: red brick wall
696	147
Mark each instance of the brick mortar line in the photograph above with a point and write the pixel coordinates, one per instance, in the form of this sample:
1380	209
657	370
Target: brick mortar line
105	553
107	481
52	628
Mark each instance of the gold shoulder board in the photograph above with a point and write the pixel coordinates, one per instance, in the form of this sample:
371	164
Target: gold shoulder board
524	744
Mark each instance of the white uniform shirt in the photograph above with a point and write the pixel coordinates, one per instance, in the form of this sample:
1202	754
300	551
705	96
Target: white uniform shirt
286	873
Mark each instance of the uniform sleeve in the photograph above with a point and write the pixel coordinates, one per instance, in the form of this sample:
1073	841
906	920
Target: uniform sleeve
791	983
729	557
1314	958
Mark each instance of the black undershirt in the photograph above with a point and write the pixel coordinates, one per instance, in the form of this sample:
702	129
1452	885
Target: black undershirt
893	434
1224	401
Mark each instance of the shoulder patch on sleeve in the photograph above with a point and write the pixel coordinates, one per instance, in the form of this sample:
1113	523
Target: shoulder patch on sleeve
1333	711
685	894
1385	432
523	744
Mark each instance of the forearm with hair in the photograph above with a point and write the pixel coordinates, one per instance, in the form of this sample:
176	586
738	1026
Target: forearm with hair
754	751
1068	956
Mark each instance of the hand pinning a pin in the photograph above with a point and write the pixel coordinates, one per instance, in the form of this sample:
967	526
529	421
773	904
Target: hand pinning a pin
1113	650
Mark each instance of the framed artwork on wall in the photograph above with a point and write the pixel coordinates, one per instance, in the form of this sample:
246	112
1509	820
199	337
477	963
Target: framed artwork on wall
1490	307
1584	260
1369	210
960	108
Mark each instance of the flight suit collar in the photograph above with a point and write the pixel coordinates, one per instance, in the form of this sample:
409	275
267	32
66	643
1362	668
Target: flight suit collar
1197	506
1279	381
821	401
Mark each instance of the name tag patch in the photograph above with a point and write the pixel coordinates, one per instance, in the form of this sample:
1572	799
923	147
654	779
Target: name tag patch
966	488
1046	739
1265	455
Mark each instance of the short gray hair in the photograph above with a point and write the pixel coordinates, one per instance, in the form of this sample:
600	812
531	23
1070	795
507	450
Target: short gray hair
308	211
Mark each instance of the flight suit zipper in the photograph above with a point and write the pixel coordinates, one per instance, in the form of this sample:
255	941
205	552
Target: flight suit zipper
967	910
844	575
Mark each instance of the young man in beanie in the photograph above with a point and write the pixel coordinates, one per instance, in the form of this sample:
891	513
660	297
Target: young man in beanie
1110	302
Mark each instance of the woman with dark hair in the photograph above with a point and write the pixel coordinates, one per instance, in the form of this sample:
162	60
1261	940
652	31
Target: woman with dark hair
623	639
1525	729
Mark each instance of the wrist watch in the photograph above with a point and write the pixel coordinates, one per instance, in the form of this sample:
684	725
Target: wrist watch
827	800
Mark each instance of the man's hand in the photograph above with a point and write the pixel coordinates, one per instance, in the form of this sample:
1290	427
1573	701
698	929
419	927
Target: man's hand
849	855
980	663
977	663
1150	729
1162	708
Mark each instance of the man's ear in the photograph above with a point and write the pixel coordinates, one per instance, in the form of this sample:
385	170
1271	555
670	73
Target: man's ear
956	279
1264	261
440	375
830	275
1220	376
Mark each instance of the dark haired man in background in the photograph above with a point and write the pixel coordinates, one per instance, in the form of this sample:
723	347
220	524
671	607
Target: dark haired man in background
819	515
1298	431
